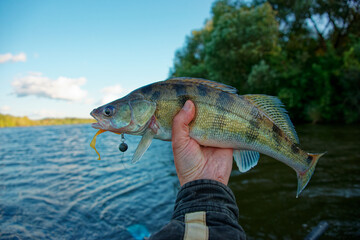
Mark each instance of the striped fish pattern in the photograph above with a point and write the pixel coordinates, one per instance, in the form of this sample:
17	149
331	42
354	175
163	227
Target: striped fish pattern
250	124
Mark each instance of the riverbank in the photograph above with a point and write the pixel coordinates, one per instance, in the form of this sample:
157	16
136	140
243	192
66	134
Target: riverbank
12	121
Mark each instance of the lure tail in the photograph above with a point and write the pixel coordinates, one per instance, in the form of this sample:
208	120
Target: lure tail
304	177
93	141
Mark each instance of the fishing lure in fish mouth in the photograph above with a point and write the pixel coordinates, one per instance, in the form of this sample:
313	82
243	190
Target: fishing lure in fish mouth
93	141
122	147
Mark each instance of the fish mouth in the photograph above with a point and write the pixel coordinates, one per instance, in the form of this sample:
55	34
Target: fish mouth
96	125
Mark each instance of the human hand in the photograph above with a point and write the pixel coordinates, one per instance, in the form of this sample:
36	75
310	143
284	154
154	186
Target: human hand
193	161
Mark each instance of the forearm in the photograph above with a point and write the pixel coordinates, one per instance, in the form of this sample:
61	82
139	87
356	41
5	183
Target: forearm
204	207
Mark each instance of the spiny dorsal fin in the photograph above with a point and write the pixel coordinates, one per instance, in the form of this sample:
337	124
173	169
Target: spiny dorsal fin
274	109
213	84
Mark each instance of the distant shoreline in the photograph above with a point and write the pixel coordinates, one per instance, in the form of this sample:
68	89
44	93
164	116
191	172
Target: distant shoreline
12	121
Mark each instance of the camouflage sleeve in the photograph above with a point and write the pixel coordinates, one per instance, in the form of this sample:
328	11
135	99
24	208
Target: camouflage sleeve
204	209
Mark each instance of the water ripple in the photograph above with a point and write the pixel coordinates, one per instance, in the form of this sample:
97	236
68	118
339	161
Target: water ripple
52	186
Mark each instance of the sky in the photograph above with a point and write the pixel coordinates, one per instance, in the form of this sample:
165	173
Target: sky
64	58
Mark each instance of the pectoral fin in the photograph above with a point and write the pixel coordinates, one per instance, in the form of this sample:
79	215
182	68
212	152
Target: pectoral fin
245	160
143	145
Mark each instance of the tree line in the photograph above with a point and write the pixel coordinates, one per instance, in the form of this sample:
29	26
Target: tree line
305	52
11	121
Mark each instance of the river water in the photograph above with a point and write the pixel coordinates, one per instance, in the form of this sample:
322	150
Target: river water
52	186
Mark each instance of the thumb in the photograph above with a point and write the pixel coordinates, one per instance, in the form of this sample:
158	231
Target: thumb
180	128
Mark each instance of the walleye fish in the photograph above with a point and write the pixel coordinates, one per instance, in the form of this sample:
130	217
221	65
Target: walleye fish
250	124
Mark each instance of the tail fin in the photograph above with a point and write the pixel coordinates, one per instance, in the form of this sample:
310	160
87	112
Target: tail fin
304	177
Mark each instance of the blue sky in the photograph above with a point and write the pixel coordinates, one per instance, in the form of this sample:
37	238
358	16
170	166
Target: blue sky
64	58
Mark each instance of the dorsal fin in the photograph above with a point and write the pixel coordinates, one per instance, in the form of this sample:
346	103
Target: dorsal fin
274	109
221	86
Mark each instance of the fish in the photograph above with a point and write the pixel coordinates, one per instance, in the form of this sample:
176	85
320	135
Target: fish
250	124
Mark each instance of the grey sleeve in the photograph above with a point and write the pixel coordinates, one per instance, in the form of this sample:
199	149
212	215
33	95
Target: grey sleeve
206	209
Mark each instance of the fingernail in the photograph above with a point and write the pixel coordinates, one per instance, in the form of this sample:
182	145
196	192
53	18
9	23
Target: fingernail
186	107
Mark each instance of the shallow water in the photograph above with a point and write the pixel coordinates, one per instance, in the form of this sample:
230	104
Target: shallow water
52	186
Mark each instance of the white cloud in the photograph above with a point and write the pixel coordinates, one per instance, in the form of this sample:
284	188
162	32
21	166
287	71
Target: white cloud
7	57
46	113
112	93
5	109
62	88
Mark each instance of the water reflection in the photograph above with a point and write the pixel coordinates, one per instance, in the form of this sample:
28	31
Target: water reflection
269	209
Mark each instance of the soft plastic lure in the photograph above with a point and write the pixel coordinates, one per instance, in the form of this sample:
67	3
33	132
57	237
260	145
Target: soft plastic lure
93	141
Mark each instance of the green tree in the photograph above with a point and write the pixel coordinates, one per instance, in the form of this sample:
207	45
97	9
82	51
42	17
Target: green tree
229	45
241	38
190	61
305	52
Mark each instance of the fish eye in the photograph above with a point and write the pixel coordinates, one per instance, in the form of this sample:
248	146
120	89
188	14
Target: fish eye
109	111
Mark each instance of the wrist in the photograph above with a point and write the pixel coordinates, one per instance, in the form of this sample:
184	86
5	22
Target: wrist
221	179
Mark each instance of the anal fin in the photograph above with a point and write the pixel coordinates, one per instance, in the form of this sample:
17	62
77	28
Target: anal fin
245	159
143	145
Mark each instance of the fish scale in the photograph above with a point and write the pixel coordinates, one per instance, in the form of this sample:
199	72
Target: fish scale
250	124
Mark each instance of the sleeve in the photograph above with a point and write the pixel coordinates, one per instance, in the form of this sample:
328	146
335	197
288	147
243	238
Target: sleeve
204	209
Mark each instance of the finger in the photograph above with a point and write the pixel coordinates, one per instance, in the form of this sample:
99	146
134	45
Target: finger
180	128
